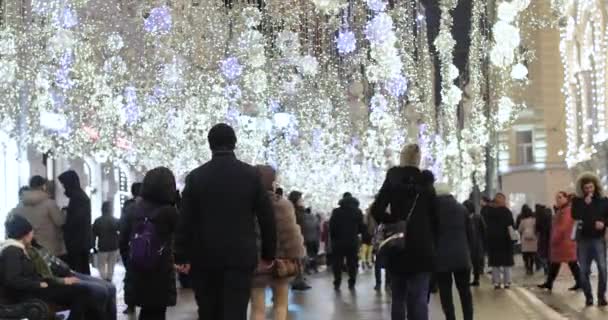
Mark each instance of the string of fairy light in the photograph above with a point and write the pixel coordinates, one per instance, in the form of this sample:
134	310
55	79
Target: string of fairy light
327	91
583	48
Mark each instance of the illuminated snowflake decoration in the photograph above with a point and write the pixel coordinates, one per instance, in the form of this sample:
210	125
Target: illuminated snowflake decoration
376	5
346	42
159	21
308	65
379	29
232	92
131	109
115	42
397	86
69	18
251	17
378	102
231	68
8	46
519	72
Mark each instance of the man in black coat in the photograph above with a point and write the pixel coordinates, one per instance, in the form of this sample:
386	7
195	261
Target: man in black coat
77	228
216	237
345	226
590	208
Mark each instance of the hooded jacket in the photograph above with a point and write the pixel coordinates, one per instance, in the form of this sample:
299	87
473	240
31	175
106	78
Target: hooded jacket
45	217
346	224
454	232
77	228
591	213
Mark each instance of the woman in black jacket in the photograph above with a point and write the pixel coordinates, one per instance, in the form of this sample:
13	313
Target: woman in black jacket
499	220
152	289
407	190
21	281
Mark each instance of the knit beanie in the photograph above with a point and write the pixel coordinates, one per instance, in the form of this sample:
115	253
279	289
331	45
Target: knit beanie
17	227
222	138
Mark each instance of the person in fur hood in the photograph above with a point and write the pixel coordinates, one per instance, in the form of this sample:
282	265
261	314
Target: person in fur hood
589	208
409	192
290	245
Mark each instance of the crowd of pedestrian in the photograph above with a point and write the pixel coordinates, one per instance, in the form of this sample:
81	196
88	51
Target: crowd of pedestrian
229	252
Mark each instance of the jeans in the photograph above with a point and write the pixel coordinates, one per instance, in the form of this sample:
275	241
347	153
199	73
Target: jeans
506	276
554	270
352	264
106	261
280	298
102	294
462	278
222	294
378	273
410	296
590	250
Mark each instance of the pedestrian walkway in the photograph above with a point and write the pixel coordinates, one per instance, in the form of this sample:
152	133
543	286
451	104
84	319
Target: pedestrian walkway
570	305
322	303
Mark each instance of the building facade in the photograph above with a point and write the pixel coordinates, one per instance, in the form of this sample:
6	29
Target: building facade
532	152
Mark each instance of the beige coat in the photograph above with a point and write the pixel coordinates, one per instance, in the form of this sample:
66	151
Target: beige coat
47	219
290	243
529	238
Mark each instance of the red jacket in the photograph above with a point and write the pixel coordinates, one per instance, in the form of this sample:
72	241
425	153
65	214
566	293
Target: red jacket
563	249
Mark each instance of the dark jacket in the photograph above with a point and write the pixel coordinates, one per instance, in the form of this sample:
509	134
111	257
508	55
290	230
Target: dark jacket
220	203
478	235
76	231
454	233
18	274
157	287
311	228
399	190
346	224
544	221
498	242
105	232
126	210
591	213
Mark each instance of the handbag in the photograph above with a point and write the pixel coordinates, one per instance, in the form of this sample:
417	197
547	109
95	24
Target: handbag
513	234
286	268
396	234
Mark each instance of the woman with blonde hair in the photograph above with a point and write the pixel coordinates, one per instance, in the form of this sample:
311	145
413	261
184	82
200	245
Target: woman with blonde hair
290	246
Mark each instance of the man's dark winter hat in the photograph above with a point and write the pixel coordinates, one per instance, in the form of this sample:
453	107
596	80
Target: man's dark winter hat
37	182
222	138
17	227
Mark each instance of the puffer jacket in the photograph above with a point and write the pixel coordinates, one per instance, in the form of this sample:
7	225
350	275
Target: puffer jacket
290	243
44	215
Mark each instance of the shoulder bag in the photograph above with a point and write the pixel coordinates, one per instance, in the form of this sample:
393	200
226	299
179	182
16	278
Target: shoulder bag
396	234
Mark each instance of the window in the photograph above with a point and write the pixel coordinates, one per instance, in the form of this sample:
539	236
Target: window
525	147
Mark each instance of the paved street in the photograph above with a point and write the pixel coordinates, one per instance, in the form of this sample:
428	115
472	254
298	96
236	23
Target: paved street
322	303
570	305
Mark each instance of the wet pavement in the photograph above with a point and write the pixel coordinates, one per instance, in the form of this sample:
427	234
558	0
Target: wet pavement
322	303
570	305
